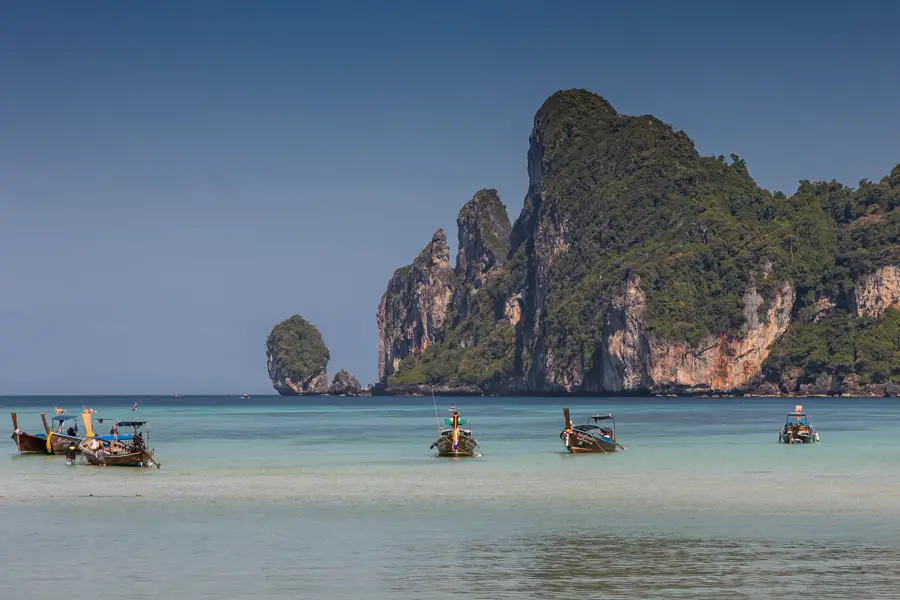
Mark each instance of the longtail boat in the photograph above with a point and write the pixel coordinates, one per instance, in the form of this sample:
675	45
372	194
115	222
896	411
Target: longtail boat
454	441
28	443
58	441
115	449
797	428
590	437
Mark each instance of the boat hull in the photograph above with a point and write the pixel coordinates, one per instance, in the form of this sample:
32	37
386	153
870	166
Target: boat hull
133	459
29	444
466	447
582	443
60	443
787	438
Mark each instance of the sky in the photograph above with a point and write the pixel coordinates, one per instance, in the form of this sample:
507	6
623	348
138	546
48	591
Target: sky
178	177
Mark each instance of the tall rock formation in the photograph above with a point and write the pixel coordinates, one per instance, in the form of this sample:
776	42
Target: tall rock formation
483	245
413	308
483	237
297	358
637	265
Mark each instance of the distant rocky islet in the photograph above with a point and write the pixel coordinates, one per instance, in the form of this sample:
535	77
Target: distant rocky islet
297	360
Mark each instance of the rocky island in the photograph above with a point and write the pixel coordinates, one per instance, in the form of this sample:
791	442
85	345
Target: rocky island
345	384
638	266
297	358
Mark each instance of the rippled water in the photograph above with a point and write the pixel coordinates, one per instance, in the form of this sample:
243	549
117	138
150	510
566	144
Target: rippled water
341	498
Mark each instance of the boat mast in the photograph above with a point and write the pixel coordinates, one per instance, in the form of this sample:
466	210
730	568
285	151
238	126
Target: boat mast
437	419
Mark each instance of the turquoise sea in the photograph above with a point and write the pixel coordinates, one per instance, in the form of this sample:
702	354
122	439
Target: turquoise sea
274	497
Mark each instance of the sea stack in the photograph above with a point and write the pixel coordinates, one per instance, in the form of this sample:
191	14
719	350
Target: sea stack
297	358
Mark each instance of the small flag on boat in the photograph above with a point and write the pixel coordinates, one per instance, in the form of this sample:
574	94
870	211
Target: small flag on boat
134	406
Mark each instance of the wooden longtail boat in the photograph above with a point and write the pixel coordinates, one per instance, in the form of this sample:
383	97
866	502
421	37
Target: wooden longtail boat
58	441
797	428
117	450
589	437
455	441
28	443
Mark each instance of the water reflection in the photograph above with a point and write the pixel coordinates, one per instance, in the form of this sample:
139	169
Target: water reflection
591	564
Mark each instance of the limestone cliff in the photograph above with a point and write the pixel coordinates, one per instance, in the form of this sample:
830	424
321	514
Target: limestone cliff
297	358
724	363
626	348
483	240
412	311
877	292
637	265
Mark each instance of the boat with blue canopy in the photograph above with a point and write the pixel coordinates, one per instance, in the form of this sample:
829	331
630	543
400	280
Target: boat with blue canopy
590	437
55	439
453	440
62	433
117	449
797	429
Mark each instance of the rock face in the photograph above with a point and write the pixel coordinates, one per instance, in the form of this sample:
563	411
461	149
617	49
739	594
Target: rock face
413	308
626	345
483	238
724	363
344	384
877	292
638	266
297	358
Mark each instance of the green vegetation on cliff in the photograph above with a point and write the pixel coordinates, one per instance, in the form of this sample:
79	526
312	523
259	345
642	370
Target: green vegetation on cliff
479	350
840	345
637	198
613	196
297	348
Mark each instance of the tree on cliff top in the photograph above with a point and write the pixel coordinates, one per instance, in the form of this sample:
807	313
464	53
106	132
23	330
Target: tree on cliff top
297	348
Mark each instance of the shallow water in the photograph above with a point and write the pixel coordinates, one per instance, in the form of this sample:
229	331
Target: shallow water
341	498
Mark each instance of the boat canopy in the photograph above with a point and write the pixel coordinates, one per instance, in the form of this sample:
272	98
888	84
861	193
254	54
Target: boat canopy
132	423
449	422
64	418
796	418
604	431
113	438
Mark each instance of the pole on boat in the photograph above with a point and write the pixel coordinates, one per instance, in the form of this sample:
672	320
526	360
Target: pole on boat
88	426
15	420
49	433
455	431
437	420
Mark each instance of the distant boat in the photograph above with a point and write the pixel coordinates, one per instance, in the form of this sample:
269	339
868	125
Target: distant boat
246	395
590	437
797	429
455	441
115	449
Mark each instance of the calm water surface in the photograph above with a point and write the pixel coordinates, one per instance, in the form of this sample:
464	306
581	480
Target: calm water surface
341	498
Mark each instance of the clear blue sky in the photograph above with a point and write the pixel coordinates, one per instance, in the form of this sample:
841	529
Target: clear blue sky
177	177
